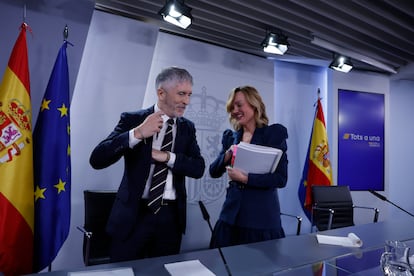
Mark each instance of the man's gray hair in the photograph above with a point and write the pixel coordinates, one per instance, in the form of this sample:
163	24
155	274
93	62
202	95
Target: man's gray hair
172	74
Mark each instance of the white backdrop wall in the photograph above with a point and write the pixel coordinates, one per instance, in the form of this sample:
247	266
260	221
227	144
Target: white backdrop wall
401	148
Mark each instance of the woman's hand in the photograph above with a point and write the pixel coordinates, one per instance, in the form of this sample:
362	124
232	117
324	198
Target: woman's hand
229	154
237	175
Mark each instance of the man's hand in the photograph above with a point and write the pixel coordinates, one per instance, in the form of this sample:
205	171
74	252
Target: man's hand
160	156
151	125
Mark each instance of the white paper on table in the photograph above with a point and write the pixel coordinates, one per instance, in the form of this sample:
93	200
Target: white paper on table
187	268
351	240
411	259
122	271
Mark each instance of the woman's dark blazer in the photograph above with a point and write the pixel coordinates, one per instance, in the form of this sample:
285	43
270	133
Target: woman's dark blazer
256	204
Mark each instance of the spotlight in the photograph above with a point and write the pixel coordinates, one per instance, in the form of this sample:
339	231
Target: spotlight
352	54
275	43
177	13
341	63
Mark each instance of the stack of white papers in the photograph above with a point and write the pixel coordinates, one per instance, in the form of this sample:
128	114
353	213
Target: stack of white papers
351	240
188	268
122	271
252	158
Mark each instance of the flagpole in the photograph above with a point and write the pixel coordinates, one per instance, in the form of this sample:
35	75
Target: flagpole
24	13
65	33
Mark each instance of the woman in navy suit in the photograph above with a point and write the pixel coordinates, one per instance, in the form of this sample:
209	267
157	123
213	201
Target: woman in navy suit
251	211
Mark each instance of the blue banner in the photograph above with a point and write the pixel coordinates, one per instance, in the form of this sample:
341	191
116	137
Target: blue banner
361	140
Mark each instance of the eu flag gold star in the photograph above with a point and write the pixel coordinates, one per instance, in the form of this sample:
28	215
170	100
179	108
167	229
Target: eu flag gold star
39	193
60	186
45	104
63	110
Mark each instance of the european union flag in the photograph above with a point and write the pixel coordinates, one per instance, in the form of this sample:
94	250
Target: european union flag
52	168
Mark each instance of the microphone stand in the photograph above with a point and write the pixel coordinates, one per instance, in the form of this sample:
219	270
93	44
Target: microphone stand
206	217
380	196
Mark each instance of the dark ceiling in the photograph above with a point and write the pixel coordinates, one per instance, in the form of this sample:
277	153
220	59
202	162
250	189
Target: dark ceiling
378	35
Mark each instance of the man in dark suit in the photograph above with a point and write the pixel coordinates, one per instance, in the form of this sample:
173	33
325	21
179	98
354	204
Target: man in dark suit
142	224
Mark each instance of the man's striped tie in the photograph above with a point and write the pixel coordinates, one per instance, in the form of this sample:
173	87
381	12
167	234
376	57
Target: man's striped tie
160	172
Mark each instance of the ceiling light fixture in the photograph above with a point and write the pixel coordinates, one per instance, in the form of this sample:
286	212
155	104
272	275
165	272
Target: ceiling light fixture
341	63
177	13
337	49
275	43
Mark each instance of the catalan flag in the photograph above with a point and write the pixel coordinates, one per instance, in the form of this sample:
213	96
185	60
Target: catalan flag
52	185
317	169
16	164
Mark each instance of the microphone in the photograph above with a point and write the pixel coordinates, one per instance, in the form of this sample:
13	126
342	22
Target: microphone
380	196
206	217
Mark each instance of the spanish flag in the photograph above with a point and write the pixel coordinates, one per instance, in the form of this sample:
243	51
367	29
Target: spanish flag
16	164
317	169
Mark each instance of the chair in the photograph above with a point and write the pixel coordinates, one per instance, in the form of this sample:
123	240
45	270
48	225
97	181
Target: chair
96	242
299	221
333	207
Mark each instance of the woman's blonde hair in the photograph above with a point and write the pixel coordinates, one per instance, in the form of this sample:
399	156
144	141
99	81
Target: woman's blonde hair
255	101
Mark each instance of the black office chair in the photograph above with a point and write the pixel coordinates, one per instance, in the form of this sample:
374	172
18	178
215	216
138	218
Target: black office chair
333	207
96	242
